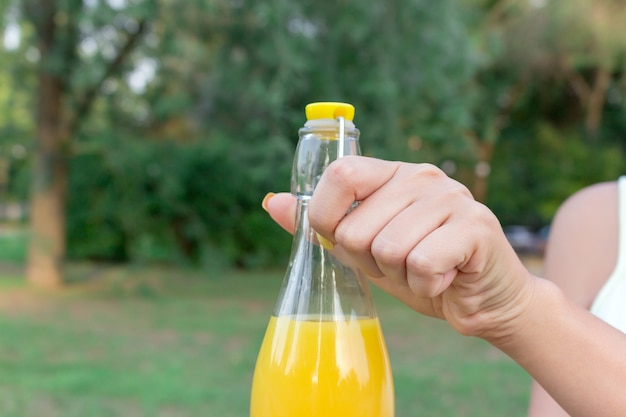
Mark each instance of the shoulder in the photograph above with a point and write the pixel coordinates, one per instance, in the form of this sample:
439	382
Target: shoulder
591	212
583	242
594	199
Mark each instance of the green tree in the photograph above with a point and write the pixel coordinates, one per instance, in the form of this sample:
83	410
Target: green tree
404	64
68	80
144	96
579	42
535	57
16	124
242	72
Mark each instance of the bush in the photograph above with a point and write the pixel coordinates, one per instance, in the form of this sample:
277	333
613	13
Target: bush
169	202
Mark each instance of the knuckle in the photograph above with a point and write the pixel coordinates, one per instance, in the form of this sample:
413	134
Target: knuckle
422	275
457	191
387	253
342	172
433	176
423	173
351	239
430	170
419	265
480	216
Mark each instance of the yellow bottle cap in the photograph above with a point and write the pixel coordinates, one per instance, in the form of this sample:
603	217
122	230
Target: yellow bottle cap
329	110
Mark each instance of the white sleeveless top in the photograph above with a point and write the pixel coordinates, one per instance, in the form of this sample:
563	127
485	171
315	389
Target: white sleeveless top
610	304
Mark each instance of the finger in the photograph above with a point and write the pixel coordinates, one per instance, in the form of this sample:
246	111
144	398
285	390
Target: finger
393	244
454	249
346	180
433	263
358	230
436	199
282	209
381	188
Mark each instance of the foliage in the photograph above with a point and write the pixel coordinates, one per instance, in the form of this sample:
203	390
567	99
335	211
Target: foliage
253	71
175	146
168	202
552	163
405	81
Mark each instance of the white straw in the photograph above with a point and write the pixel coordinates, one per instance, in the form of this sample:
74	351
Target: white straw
341	145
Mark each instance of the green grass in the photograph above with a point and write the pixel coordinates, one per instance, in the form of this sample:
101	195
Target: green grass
13	240
158	342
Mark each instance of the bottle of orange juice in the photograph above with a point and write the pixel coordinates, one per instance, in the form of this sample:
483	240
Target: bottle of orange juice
323	354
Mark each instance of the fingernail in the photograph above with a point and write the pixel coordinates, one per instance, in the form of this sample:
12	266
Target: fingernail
266	199
326	244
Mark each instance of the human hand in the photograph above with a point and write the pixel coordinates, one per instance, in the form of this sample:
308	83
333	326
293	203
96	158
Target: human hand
420	236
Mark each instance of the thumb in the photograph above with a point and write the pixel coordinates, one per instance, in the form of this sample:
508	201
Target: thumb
282	209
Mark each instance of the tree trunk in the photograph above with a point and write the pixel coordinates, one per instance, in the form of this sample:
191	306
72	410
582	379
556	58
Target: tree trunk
44	268
482	169
595	104
58	38
47	206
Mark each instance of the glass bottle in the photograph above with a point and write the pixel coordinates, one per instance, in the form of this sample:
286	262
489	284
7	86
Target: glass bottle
323	354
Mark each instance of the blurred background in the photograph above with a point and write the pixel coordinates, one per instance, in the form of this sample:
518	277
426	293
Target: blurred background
138	138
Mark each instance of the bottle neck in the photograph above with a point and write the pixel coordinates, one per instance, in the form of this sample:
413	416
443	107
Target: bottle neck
317	285
321	142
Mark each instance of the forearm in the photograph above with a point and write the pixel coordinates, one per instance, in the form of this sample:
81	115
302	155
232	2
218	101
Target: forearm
577	358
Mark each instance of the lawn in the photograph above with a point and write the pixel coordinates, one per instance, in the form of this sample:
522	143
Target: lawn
130	341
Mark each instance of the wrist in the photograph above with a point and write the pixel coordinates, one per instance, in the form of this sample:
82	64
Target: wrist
540	300
509	322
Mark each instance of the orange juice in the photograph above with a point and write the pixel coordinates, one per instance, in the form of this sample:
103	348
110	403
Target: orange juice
322	369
